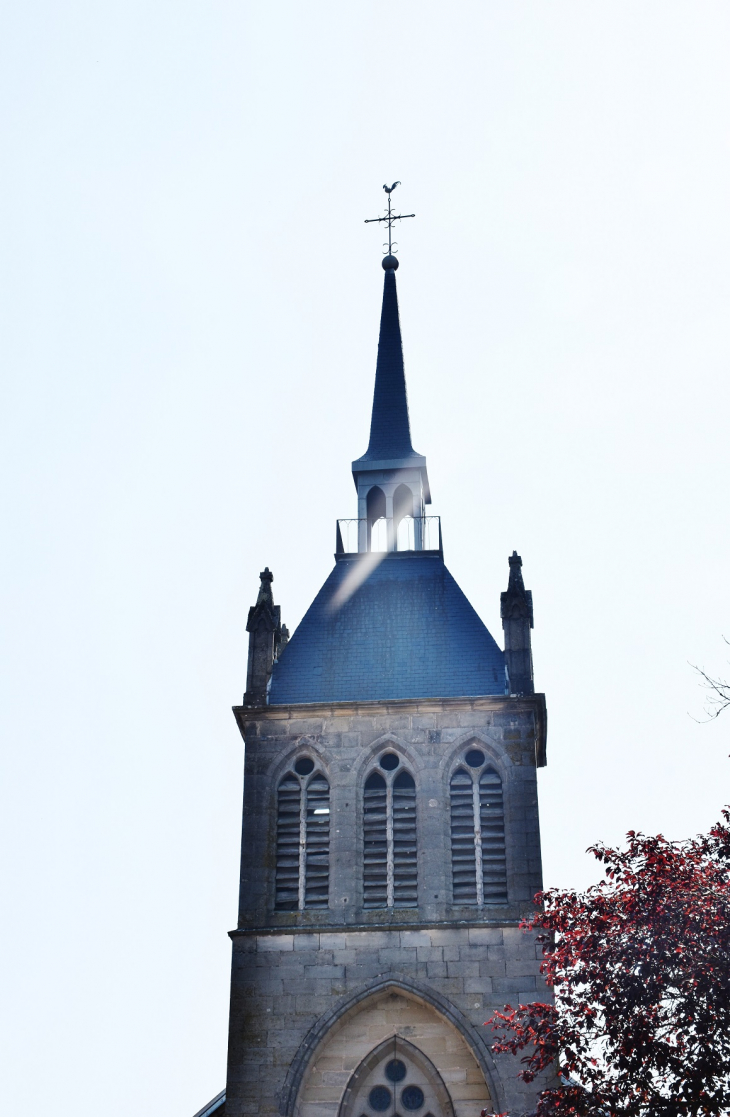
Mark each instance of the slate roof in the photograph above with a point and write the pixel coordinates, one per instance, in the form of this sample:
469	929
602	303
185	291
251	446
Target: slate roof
390	430
407	631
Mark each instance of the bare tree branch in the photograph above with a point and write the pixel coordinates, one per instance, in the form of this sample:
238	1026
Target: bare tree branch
718	698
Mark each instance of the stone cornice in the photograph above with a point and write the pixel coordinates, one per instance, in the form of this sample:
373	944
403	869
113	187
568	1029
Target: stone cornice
418	706
352	928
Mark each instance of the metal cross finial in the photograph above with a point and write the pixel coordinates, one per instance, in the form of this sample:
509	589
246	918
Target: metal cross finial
390	217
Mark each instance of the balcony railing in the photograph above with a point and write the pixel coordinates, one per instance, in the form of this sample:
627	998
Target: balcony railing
410	533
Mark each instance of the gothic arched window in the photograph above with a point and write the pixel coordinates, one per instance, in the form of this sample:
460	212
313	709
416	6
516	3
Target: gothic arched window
376	522
302	839
390	856
396	1078
403	513
405	538
478	857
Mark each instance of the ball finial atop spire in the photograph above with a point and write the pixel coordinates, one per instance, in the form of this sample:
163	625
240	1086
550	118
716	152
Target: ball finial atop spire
390	262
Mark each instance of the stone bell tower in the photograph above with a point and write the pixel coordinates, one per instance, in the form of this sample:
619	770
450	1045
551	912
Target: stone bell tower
390	829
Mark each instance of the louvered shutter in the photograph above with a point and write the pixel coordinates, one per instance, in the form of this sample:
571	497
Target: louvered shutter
375	839
463	848
289	807
494	863
405	861
317	850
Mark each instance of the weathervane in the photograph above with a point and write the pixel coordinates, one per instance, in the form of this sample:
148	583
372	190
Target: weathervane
390	218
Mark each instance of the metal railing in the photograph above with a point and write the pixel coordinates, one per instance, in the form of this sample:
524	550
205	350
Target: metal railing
410	533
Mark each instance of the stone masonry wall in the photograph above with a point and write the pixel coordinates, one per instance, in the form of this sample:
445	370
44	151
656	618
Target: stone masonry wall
430	738
291	993
299	977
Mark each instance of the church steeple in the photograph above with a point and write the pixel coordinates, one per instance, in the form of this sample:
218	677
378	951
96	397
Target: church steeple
391	477
390	429
390	802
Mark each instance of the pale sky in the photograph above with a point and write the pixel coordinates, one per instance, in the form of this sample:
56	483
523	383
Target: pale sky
190	306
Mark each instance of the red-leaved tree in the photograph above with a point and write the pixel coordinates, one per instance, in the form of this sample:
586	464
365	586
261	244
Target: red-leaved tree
640	969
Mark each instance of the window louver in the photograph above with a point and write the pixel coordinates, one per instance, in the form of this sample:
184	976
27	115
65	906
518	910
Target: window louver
405	865
463	849
375	868
390	869
478	855
316	887
287	843
491	817
302	843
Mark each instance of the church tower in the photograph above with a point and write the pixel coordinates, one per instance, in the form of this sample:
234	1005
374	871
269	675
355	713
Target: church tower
390	824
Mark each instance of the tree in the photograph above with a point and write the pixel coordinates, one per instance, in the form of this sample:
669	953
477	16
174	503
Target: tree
640	968
718	698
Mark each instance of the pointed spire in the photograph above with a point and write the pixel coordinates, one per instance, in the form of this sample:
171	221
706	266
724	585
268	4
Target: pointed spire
390	430
390	448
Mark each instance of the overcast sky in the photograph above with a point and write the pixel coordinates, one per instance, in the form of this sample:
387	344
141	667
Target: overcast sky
190	305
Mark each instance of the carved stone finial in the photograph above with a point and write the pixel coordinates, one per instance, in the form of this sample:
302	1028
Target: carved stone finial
516	584
265	591
517	620
267	638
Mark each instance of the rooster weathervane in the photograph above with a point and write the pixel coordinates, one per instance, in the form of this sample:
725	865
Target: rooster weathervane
390	217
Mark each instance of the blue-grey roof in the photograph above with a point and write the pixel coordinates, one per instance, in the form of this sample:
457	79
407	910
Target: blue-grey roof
390	431
385	627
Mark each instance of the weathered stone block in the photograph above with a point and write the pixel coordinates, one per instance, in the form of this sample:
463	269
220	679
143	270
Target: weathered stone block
462	969
275	942
485	936
430	953
397	956
415	938
477	985
306	942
